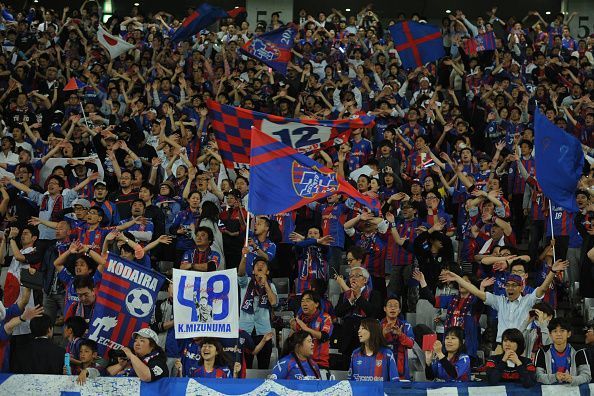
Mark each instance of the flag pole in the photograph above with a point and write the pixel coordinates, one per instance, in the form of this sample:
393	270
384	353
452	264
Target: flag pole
247	229
552	232
83	111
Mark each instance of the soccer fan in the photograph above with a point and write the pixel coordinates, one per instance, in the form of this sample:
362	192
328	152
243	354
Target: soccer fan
373	360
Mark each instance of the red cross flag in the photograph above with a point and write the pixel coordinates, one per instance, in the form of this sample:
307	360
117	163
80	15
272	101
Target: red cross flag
115	45
417	43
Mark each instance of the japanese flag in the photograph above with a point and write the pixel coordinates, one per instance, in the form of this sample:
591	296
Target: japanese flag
115	45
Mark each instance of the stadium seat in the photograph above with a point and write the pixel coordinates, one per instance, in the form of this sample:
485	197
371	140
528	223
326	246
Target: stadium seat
426	313
338	375
257	374
411	318
282	287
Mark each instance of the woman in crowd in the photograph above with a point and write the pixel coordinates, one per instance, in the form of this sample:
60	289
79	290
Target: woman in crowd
511	366
373	361
297	362
213	363
454	364
147	362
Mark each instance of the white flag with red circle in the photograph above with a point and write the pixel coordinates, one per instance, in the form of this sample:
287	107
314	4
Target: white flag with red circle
115	45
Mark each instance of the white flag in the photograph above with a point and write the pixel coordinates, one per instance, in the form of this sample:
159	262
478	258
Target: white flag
115	45
205	304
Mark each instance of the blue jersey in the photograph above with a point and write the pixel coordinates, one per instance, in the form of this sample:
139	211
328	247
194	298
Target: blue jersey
360	153
289	367
379	367
333	218
267	246
462	365
217	372
190	357
286	223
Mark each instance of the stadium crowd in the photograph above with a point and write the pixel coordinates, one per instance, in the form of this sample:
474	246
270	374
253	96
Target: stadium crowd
464	231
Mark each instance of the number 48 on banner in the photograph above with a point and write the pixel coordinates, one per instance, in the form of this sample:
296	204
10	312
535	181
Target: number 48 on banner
205	304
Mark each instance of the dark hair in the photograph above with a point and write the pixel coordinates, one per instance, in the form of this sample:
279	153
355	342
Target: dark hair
313	295
195	192
210	211
208	232
77	324
358	252
528	142
221	359
518	262
40	325
138	200
58	179
92	345
81	282
392	297
149	187
242	178
420	331
33	230
559	322
544	307
457	332
293	341
376	337
317	228
99	211
515	335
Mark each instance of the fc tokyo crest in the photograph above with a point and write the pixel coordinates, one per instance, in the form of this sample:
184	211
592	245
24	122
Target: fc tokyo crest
311	182
264	50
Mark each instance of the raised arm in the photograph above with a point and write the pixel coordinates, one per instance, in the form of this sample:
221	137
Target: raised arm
448	276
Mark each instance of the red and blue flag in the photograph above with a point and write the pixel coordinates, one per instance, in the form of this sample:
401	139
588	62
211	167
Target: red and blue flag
74	84
417	43
272	48
296	179
232	127
559	161
202	17
124	303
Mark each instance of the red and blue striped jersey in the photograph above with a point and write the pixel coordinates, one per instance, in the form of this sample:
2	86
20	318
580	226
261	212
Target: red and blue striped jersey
411	131
217	372
197	256
400	345
93	238
562	221
516	183
537	200
361	152
333	218
321	322
286	223
267	246
375	246
462	365
406	229
312	263
290	369
379	367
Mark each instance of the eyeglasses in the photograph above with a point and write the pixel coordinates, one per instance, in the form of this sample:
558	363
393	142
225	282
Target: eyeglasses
353	276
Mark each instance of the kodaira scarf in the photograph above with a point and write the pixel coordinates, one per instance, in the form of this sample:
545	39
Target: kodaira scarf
253	290
56	210
457	310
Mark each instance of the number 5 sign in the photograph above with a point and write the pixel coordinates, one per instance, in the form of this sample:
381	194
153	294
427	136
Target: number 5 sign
205	304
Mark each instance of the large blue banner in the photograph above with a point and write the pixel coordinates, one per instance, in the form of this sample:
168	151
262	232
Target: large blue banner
55	385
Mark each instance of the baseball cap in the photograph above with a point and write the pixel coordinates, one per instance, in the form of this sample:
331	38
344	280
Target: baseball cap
147	333
82	202
152	110
516	279
100	183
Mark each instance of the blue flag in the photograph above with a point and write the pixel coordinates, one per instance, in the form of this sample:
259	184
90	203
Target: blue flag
124	303
559	162
272	48
297	179
202	17
417	43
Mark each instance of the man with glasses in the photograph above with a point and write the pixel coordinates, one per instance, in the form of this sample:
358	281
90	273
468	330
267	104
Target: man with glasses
357	303
512	308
